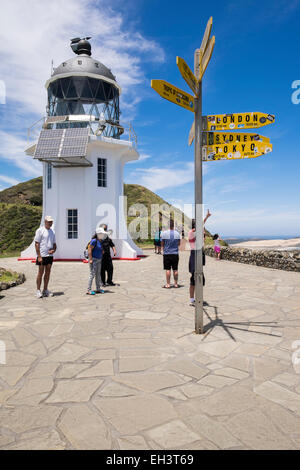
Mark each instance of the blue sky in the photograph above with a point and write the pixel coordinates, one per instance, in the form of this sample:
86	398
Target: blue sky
255	60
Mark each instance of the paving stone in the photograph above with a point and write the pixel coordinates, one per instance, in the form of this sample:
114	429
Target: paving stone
23	337
48	441
187	367
33	391
195	390
134	414
150	382
252	349
102	369
233	373
43	370
67	371
218	348
77	391
229	401
258	432
101	354
26	418
68	352
285	420
131	364
114	389
11	375
211	430
133	443
216	381
172	434
278	394
145	315
84	429
173	393
290	380
266	368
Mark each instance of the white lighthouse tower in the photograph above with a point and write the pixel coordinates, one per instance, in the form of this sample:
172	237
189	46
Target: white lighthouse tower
83	156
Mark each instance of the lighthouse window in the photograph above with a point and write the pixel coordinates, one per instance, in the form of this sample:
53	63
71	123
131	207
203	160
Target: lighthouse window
72	223
102	172
49	175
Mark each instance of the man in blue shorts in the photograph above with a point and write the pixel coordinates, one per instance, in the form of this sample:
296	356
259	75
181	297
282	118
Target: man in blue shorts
170	241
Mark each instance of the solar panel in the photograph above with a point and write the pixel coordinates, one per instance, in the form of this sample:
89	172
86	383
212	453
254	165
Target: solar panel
51	133
77	132
54	144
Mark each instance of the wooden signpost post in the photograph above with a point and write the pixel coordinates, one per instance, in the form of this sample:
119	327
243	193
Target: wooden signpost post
209	145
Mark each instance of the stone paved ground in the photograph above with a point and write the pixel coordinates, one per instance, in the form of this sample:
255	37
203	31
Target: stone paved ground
124	370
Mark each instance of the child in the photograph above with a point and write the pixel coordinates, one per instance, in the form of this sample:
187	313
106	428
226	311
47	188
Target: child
217	248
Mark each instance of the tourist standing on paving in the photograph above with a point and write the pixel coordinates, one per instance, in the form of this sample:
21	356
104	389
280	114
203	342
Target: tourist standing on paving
217	248
45	246
192	241
170	241
95	258
107	265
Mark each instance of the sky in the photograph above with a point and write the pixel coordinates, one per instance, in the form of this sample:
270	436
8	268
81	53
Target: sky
254	67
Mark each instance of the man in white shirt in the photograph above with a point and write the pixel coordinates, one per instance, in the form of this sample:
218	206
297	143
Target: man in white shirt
45	246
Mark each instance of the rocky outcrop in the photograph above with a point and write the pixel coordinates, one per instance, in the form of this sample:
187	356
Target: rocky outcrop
286	260
16	279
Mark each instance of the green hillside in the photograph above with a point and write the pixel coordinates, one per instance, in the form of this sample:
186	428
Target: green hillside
21	211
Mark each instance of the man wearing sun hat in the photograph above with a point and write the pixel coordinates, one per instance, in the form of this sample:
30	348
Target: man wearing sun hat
45	246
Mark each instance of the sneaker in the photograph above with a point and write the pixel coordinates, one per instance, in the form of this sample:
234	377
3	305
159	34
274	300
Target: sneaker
100	291
111	284
192	303
39	294
47	293
91	292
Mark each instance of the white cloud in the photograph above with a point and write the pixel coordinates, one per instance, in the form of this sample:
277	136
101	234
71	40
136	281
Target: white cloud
255	221
12	149
155	178
32	33
8	180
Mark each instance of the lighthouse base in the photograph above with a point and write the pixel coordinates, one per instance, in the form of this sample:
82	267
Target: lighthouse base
126	250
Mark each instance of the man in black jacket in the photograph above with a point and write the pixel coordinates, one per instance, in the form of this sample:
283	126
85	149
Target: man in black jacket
107	265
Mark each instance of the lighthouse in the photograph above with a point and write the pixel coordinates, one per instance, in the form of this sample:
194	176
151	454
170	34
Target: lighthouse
83	156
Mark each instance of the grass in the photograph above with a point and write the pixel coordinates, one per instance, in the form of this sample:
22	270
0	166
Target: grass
7	276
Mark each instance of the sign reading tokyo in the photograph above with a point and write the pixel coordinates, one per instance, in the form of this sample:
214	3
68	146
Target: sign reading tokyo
215	138
224	122
235	151
173	94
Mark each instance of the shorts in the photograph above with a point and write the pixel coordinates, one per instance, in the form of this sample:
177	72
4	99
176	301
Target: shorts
171	262
157	243
192	280
45	261
217	249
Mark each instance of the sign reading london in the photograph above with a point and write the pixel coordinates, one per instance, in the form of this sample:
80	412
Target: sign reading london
173	94
235	151
224	122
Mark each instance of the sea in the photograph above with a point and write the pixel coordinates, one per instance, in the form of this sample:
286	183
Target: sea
232	240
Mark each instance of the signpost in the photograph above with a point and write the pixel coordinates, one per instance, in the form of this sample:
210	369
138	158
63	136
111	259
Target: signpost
235	151
209	145
214	138
173	94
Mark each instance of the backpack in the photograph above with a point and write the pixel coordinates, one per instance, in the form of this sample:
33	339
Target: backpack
86	251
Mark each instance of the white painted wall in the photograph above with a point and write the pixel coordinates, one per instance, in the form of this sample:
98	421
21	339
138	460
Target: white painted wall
76	188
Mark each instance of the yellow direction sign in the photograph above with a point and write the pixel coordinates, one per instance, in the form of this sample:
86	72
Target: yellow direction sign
235	151
207	56
187	74
215	138
199	53
225	122
173	94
